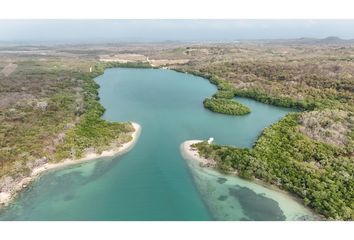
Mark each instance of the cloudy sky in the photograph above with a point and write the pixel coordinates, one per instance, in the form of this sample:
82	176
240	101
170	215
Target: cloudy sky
87	31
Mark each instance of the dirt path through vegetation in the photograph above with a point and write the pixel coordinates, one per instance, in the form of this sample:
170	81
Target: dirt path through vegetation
8	69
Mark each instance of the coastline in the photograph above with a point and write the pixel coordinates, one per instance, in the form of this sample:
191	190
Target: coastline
189	152
7	197
192	154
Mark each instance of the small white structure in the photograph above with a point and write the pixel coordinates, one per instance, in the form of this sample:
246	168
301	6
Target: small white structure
210	140
90	69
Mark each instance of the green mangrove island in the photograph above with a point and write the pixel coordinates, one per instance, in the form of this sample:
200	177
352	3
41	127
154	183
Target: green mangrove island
225	106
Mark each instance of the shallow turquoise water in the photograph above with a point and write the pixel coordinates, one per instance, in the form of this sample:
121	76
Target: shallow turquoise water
153	181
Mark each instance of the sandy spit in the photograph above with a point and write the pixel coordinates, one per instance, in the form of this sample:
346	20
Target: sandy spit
6	197
192	153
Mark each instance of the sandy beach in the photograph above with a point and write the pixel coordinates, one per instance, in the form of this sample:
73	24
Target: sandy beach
190	152
6	197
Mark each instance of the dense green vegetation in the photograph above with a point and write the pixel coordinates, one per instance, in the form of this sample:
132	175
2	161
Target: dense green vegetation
319	173
40	101
92	131
309	154
49	111
226	106
308	88
101	65
277	101
224	94
222	102
228	91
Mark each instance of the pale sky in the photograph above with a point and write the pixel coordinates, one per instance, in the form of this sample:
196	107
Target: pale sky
87	31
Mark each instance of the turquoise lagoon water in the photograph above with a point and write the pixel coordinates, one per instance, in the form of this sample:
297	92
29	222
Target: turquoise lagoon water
153	181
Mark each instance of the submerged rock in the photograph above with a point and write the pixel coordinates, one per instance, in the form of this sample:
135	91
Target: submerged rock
222	197
221	180
257	206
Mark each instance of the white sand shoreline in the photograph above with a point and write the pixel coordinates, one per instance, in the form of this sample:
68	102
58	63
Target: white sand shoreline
189	152
7	197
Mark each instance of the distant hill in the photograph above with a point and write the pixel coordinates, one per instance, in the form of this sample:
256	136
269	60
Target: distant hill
332	39
305	40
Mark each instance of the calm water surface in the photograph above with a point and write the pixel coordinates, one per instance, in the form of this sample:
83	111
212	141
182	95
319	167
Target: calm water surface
153	181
